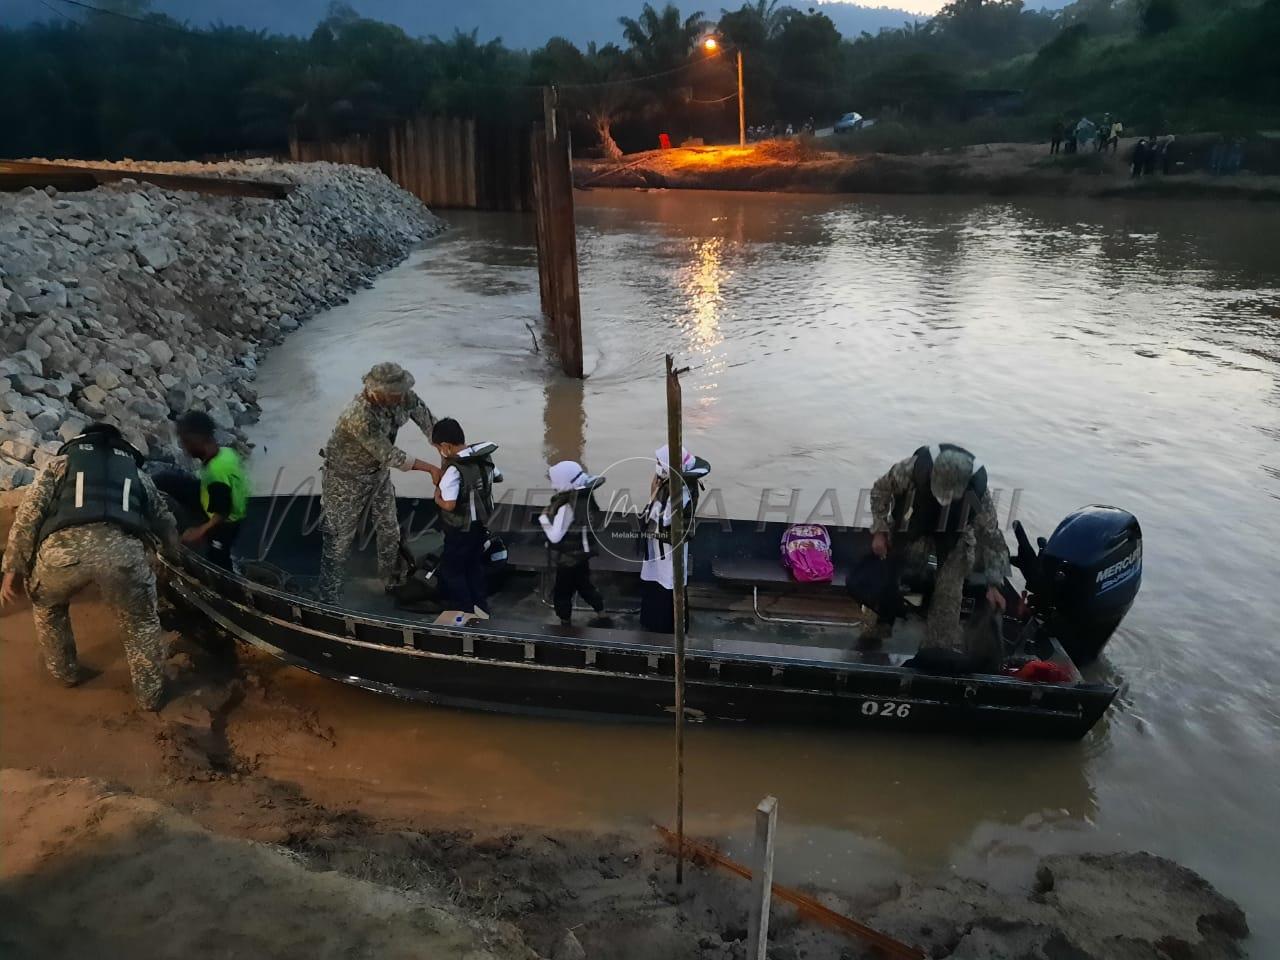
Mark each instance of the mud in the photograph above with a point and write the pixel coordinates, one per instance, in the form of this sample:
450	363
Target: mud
166	871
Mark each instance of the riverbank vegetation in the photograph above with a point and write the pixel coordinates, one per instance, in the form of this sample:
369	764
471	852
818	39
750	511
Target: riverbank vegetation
126	81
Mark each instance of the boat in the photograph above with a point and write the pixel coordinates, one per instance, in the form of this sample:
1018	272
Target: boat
761	647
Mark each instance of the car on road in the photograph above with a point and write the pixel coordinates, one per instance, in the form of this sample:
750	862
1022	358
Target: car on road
850	121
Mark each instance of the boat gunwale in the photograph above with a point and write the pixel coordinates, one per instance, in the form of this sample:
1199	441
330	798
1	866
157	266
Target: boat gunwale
1037	691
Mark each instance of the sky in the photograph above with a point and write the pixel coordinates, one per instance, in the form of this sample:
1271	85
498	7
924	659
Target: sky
520	23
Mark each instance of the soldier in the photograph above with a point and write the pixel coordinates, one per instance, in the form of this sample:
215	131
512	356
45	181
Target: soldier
90	517
357	473
936	502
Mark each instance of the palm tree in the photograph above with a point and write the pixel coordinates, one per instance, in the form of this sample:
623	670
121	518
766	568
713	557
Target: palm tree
769	14
661	41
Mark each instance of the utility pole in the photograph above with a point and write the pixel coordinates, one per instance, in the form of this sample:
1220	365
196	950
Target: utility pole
742	107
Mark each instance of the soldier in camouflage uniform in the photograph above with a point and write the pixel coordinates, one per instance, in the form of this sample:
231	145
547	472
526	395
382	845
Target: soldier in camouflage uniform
936	502
359	459
92	517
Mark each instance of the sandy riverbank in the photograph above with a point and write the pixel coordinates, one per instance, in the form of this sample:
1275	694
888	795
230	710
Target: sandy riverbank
996	169
235	758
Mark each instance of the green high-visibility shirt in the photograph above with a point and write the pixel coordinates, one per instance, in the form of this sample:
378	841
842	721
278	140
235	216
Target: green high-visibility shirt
226	469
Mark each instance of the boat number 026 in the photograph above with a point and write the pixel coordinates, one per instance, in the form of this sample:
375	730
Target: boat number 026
886	708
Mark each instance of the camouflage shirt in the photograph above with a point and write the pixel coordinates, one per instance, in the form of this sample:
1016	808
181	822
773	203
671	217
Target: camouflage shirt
40	499
898	486
364	440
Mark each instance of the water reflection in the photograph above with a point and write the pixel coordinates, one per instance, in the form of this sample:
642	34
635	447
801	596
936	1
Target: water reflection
1091	352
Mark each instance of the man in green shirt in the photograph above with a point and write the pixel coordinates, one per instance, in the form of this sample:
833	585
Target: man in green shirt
218	495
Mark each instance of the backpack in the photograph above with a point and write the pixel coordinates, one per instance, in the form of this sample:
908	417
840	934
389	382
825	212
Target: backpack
806	552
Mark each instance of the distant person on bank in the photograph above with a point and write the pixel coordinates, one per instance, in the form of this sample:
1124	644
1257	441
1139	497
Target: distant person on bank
92	517
358	460
217	497
936	502
1055	136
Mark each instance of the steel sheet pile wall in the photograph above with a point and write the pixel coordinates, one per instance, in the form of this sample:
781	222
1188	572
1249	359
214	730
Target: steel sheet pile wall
446	162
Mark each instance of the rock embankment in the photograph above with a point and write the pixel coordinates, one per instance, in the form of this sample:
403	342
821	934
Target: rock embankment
130	303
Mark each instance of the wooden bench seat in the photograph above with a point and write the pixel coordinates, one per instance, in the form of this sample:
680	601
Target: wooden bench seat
756	572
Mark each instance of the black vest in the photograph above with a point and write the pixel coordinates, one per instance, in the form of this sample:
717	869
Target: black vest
577	544
930	518
475	493
101	485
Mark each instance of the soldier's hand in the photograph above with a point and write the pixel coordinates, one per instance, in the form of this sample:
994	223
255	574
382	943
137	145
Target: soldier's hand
11	589
995	597
880	545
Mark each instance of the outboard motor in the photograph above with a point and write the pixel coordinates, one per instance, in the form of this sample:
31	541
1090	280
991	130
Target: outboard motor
1084	578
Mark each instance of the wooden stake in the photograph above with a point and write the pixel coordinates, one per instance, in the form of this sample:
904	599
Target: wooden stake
675	459
762	879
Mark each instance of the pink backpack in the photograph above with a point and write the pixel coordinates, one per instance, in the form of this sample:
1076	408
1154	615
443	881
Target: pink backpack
806	552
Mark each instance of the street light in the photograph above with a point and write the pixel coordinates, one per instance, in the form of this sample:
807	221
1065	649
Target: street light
711	45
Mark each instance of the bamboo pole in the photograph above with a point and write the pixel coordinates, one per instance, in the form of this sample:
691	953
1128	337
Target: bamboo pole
675	459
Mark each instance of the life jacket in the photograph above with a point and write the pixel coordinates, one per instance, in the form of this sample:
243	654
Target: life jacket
101	485
656	526
475	493
928	517
577	544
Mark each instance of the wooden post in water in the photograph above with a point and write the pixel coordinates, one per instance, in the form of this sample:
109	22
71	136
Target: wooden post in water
762	879
675	459
557	236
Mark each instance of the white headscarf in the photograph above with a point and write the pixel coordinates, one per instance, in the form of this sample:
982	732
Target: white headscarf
662	456
568	475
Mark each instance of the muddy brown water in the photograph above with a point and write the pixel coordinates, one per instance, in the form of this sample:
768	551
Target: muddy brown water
1089	352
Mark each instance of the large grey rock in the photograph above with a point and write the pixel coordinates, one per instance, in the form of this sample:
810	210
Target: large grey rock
57	388
179	398
18	304
156	253
77	234
47	421
149	409
72	427
28	362
10	400
39	347
107	376
94	394
46	302
160	352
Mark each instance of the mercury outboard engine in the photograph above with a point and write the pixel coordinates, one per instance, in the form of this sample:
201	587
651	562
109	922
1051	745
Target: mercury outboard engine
1084	578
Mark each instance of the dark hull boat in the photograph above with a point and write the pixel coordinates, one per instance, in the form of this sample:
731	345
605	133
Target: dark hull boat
761	648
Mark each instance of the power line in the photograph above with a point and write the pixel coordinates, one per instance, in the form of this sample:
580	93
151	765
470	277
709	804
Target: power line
159	24
65	16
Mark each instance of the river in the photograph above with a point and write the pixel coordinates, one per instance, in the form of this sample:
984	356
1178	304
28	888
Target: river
1088	351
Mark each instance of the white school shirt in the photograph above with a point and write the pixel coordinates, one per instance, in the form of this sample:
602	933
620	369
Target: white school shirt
657	566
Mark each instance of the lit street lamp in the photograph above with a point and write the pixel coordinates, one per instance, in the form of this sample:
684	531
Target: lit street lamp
711	45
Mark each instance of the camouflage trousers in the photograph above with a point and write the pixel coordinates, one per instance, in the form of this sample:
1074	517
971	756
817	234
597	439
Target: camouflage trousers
942	628
120	565
350	505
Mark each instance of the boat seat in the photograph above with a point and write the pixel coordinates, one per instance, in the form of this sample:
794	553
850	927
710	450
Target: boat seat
756	572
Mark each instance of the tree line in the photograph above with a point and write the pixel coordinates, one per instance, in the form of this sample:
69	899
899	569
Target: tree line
132	82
